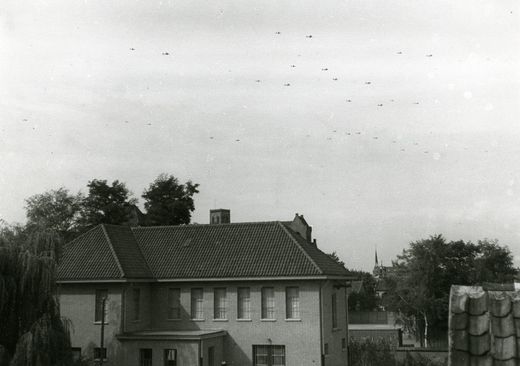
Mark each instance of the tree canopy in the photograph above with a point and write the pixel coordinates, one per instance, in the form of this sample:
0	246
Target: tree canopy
167	202
106	204
33	333
57	210
420	281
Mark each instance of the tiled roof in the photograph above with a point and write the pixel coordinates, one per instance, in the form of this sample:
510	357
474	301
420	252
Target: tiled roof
105	252
261	249
484	326
89	257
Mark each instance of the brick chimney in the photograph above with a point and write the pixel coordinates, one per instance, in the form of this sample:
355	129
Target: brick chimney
220	216
300	226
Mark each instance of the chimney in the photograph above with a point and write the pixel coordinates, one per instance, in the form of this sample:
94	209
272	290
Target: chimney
220	216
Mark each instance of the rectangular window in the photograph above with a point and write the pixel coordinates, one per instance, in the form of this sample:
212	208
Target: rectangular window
219	303
343	344
100	295
174	303
292	303
98	353
268	355
268	303
326	349
243	303
76	353
334	312
136	298
197	299
145	357
170	357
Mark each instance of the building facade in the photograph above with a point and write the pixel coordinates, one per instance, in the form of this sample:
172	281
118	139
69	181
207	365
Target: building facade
244	294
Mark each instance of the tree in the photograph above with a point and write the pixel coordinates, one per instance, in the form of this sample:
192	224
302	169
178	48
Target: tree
366	299
169	203
33	333
57	210
420	281
106	204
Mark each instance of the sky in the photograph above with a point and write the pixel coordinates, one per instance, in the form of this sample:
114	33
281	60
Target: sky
382	122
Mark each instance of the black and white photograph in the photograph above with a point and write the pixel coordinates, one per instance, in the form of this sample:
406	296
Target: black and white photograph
259	183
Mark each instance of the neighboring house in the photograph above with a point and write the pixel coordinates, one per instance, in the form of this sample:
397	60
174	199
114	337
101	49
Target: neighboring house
256	293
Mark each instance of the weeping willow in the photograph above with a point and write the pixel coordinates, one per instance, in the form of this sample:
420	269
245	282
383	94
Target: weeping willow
32	332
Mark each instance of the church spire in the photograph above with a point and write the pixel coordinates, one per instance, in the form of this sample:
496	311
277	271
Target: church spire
377	262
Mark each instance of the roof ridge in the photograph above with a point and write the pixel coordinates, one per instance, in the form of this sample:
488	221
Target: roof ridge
112	250
199	225
300	248
137	244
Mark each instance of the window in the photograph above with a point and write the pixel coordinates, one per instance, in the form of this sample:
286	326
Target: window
136	298
292	303
219	303
334	312
100	295
343	344
326	349
76	353
244	303
145	357
197	311
170	357
268	355
98	353
268	303
174	303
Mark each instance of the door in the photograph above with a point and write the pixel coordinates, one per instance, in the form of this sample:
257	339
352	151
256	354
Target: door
211	356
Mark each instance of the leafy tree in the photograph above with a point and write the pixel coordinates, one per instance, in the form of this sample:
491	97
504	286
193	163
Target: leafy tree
422	275
33	334
57	210
169	203
335	258
106	204
366	299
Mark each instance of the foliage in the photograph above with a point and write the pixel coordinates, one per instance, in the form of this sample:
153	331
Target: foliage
33	334
106	204
370	352
422	275
169	203
366	299
335	258
379	352
57	210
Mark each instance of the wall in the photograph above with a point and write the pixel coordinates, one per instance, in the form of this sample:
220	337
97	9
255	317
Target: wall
301	338
187	352
337	356
77	303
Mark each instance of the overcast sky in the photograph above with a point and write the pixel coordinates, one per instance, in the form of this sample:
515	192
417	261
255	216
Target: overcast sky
399	119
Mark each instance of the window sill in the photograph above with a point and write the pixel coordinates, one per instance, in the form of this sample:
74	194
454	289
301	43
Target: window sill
244	320
173	320
220	320
198	320
293	320
99	323
267	320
